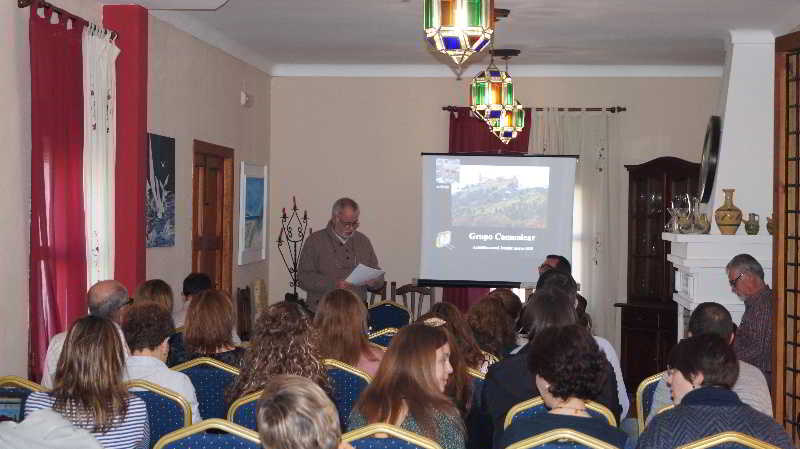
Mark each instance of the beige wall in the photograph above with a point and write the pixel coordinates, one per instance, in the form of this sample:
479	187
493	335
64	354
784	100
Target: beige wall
362	137
15	133
193	93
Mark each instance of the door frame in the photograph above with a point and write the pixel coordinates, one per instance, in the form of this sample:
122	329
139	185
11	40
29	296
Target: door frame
206	148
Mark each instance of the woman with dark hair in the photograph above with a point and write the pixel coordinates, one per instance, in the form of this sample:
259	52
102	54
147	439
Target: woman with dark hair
88	389
509	300
570	369
462	335
492	327
209	325
408	390
284	342
702	371
341	321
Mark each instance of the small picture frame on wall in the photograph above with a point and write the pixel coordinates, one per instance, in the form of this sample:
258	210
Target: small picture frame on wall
253	194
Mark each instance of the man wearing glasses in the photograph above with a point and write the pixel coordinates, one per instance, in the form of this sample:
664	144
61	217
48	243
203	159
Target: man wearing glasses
330	255
753	343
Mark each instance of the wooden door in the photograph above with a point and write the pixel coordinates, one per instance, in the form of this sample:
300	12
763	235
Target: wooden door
212	213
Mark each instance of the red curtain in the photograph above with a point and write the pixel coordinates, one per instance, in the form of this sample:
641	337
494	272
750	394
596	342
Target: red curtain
471	135
57	258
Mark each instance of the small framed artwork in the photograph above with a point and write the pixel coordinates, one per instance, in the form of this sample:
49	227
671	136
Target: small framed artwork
252	213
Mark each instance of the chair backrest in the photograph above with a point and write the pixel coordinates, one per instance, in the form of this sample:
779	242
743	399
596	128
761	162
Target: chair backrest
535	406
490	358
377	296
167	411
383	337
243	410
196	437
728	440
210	378
387	314
15	391
561	439
644	398
413	297
347	382
386	436
477	386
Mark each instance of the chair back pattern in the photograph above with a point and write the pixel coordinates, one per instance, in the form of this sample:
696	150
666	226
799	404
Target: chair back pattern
387	314
644	398
561	439
535	406
728	440
167	411
210	378
383	337
387	436
19	386
244	410
197	437
410	294
347	382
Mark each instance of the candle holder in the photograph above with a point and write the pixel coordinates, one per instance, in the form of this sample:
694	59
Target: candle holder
290	243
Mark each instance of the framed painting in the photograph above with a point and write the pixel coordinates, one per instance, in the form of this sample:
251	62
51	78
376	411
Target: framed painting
160	192
252	213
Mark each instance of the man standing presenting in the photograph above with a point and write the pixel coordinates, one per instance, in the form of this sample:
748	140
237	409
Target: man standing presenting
330	255
753	342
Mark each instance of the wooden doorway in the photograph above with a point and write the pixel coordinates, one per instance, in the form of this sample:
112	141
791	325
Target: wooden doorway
786	242
212	213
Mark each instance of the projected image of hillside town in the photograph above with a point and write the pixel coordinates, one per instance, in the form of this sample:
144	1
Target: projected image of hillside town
500	196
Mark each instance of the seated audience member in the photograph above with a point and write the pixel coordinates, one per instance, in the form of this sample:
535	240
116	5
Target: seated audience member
492	327
295	413
750	386
107	299
147	328
570	369
88	390
193	285
510	381
462	335
408	390
702	371
341	321
510	301
284	342
459	384
209	323
154	290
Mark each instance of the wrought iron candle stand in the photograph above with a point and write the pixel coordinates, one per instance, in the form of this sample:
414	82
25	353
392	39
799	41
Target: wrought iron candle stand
290	244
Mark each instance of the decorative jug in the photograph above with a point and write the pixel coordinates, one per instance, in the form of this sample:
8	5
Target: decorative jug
728	216
751	225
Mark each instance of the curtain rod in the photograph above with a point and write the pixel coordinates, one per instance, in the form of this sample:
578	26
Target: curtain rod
611	109
80	20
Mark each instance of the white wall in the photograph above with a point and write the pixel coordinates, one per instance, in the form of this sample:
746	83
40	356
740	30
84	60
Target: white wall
193	93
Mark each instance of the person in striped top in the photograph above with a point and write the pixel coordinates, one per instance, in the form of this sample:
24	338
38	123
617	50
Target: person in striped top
89	391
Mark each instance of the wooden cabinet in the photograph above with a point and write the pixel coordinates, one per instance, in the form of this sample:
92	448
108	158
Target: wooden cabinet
649	317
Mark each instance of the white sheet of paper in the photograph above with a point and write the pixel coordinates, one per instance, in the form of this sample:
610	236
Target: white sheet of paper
363	274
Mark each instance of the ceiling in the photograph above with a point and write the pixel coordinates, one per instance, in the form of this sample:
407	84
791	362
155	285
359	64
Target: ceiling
549	32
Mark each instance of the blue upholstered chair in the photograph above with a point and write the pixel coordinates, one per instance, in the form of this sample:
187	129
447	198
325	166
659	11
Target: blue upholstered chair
644	398
728	440
347	382
210	377
477	386
386	436
535	406
387	314
18	387
167	411
383	337
227	435
243	410
561	439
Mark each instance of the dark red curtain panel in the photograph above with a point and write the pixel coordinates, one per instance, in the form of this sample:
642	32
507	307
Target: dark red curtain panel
471	135
58	258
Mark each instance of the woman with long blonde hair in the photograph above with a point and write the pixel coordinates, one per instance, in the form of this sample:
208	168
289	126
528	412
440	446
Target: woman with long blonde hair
341	321
408	389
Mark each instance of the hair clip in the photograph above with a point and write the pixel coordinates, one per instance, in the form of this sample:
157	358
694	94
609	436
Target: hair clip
434	322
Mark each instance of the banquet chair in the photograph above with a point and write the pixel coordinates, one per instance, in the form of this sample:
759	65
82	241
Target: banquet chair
383	337
644	398
17	388
224	434
535	406
728	440
387	436
210	377
167	411
561	439
347	383
243	411
387	314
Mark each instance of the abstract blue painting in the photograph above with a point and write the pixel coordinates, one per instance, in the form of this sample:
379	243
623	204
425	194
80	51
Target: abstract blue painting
253	188
160	192
253	212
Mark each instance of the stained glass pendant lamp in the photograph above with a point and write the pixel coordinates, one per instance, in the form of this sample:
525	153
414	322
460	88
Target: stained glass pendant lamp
458	28
492	99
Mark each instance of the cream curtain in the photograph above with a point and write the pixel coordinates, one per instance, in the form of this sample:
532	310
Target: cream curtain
593	136
99	150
